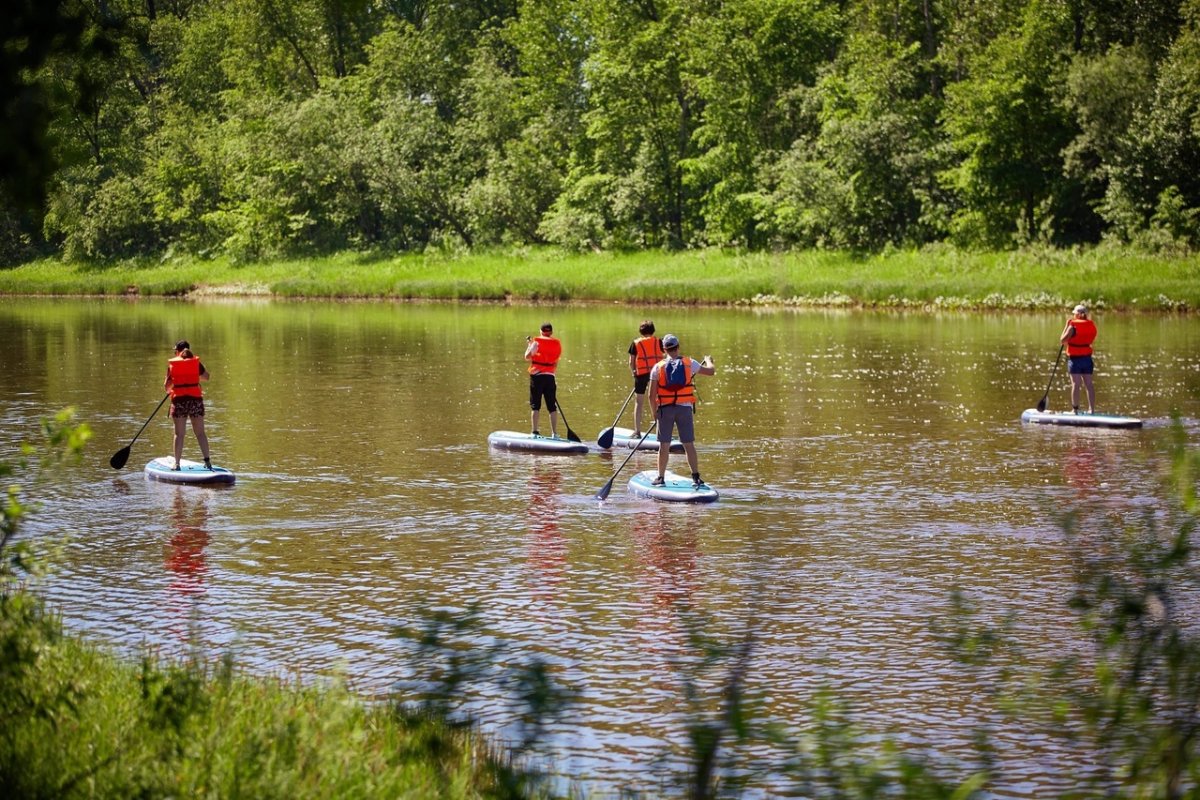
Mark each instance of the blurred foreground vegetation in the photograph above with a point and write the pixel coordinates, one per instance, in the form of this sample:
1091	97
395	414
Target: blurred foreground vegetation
77	721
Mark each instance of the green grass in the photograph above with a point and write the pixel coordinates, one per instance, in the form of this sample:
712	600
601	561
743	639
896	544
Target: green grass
81	722
938	278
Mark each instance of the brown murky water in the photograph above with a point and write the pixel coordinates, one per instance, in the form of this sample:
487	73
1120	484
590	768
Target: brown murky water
867	464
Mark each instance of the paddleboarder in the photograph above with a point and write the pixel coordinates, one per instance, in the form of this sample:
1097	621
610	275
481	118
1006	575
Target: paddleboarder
644	352
185	372
542	353
673	400
1078	336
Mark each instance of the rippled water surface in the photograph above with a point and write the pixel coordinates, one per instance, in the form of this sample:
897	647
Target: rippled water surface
867	464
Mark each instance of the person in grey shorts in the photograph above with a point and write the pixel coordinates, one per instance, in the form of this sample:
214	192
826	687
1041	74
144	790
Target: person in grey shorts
673	402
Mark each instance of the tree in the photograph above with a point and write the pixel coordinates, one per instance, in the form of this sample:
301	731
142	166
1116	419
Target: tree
1009	128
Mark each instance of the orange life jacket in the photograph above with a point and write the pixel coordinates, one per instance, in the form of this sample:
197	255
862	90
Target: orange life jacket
1080	343
546	358
648	353
185	377
676	395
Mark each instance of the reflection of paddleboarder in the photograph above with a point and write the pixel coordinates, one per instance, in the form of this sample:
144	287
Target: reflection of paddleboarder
547	545
668	561
185	558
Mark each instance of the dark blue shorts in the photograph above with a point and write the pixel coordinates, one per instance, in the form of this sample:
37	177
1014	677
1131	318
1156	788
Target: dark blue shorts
1080	365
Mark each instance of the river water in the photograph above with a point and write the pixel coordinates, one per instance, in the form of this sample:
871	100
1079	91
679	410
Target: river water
868	463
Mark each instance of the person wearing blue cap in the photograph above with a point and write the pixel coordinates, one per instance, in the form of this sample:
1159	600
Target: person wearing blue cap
673	401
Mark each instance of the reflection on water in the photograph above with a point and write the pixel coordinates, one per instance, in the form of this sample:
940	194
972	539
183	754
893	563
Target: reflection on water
867	464
185	559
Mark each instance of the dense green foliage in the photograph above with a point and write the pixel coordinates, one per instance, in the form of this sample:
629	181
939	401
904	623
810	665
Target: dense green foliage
263	129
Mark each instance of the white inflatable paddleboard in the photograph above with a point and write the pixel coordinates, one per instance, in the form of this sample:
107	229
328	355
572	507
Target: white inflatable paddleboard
512	440
623	437
1032	415
160	469
676	488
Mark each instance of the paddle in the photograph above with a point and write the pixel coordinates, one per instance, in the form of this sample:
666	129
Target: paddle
605	439
1041	406
603	493
570	433
121	456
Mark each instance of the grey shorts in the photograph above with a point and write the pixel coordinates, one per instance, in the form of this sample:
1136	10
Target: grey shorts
671	417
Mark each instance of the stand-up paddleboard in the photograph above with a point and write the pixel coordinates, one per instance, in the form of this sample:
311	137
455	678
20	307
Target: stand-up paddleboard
1032	415
160	469
623	437
512	440
676	488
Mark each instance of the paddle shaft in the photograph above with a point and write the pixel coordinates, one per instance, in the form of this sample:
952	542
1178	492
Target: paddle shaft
623	407
603	493
571	435
119	458
1046	397
606	436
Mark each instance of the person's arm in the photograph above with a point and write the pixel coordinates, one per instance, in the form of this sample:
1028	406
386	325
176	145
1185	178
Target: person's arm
633	360
705	367
203	372
1067	333
652	392
167	381
531	349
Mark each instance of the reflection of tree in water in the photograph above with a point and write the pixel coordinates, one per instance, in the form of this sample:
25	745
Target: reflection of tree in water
185	558
547	547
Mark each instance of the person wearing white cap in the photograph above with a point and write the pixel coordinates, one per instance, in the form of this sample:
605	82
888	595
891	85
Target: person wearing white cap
672	401
1078	336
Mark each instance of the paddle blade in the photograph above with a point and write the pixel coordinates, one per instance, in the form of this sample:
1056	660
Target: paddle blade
603	493
1041	406
571	435
605	439
119	458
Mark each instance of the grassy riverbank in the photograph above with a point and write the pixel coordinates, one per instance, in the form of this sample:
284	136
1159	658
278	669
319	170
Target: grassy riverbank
943	278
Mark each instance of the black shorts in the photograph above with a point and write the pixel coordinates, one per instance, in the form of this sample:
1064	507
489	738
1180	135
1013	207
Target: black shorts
641	383
543	385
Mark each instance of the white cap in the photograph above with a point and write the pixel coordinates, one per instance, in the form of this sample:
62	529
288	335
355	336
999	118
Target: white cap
1081	309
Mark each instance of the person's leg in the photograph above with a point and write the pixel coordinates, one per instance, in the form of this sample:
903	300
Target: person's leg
1076	380
693	460
639	402
687	437
666	428
1091	393
551	391
201	437
535	403
180	432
